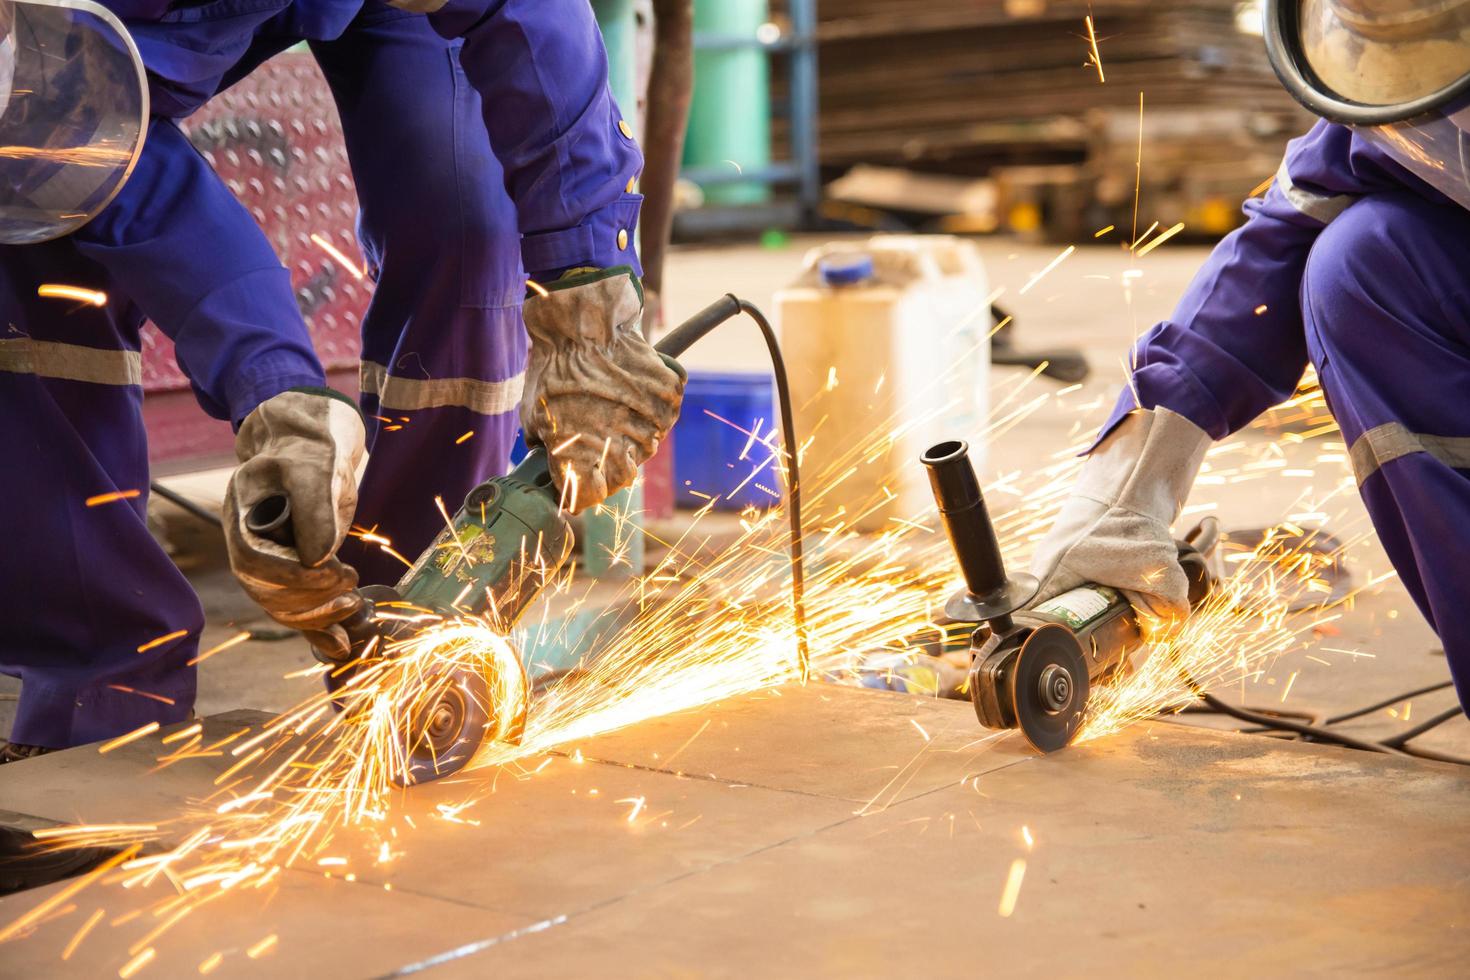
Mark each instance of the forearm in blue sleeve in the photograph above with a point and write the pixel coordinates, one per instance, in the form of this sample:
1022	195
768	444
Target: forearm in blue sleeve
1235	344
569	156
196	263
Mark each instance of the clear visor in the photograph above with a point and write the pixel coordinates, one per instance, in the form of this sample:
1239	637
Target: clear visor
73	115
1386	52
1436	147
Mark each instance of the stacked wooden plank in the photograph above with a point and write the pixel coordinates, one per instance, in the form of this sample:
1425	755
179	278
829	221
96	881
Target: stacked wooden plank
970	84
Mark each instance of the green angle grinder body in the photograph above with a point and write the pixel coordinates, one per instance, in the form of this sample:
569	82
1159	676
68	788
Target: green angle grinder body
503	545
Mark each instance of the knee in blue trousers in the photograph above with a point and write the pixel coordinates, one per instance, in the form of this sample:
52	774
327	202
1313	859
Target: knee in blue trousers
1386	304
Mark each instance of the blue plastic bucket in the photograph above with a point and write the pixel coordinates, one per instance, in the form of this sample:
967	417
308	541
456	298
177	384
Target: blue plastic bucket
718	450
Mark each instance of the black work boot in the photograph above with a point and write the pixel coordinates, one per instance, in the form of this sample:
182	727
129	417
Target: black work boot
15	752
24	865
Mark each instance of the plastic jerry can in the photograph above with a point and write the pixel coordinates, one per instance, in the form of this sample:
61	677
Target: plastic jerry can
887	344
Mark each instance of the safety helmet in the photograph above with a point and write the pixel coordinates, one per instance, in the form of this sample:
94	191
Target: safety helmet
73	115
1398	71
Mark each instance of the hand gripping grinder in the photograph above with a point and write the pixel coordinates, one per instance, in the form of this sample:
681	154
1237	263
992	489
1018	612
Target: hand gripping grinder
1033	669
507	541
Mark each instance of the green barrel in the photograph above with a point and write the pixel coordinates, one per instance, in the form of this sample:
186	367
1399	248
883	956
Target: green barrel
730	116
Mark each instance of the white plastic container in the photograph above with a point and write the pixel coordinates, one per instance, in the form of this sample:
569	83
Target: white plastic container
887	345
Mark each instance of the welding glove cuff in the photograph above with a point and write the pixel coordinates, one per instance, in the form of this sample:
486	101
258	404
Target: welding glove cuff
597	394
1114	529
304	444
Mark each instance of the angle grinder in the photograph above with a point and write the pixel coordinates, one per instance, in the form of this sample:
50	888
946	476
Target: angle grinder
1033	668
507	541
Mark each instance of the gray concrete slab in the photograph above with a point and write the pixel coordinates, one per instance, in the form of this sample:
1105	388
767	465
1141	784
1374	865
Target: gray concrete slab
1162	849
556	837
868	747
82	785
323	928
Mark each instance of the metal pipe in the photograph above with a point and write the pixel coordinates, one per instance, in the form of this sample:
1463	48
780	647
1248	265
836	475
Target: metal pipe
670	89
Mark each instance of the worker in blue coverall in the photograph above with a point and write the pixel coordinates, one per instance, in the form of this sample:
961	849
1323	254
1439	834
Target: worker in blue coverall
486	148
1354	260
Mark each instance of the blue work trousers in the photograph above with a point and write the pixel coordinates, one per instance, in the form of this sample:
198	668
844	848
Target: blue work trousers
85	591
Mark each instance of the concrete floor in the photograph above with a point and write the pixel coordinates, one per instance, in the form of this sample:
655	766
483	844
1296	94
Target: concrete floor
815	831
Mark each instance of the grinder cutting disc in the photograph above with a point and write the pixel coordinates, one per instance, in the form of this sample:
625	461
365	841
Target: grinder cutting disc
447	726
1049	687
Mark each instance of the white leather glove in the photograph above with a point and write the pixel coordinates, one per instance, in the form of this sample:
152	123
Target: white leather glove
594	377
304	444
1115	527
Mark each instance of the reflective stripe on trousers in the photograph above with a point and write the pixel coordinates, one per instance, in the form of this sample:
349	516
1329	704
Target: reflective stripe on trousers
71	362
1393	440
414	394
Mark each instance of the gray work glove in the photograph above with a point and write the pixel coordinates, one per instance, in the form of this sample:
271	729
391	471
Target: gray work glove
594	377
305	444
1114	528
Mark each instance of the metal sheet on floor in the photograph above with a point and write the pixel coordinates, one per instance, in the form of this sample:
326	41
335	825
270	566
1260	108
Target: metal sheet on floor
826	830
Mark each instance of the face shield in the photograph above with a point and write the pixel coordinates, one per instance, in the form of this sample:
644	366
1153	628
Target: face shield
1396	70
73	115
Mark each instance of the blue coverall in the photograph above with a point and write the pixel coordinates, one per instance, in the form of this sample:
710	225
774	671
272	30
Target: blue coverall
449	219
1360	267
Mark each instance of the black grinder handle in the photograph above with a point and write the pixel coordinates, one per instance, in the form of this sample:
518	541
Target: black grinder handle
271	519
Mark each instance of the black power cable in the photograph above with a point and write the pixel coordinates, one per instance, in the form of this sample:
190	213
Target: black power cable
793	484
1360	712
185	504
1396	745
679	340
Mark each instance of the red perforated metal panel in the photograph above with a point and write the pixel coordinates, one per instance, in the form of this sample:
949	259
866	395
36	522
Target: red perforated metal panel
276	141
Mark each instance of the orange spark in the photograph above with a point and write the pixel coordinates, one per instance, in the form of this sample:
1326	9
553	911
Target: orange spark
107	498
465	438
337	254
233	641
137	963
142	694
1163	237
1012	890
93	297
160	641
1049	266
1094	57
131	736
80	934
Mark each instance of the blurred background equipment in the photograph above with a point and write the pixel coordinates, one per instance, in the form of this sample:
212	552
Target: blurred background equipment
993	115
751	162
890	334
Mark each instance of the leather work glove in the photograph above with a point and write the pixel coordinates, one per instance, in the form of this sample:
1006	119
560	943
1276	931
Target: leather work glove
306	444
594	377
1114	528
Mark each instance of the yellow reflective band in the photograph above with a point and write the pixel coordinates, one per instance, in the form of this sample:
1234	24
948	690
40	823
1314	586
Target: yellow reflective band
413	394
71	362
